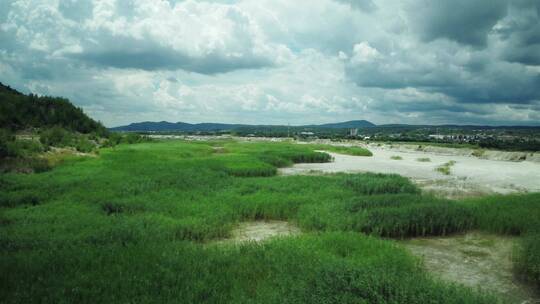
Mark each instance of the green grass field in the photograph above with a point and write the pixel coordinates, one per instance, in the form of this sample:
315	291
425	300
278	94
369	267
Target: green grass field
137	224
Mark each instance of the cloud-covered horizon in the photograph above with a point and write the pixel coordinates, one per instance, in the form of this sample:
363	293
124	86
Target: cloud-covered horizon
278	61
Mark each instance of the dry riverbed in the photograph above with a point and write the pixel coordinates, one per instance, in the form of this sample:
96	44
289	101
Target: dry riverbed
467	176
474	259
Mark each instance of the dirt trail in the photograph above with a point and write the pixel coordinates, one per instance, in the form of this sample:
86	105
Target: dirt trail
468	176
474	259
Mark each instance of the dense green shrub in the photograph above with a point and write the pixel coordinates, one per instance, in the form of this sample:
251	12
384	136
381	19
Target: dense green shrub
23	148
113	139
5	138
84	145
56	137
133	138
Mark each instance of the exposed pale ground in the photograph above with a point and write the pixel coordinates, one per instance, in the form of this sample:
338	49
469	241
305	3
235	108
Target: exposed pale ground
469	176
260	230
475	259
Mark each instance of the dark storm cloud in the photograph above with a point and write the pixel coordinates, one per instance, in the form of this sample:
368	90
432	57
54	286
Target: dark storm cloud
463	21
498	82
156	58
520	33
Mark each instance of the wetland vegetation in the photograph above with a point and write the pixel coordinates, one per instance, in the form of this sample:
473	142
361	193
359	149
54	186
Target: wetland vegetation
137	224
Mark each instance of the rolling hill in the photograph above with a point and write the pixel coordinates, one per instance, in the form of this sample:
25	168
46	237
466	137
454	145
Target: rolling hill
187	127
19	111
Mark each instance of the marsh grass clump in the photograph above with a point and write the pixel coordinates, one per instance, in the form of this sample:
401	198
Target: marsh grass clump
507	214
372	183
478	152
409	216
250	169
348	150
423	159
527	259
396	157
445	168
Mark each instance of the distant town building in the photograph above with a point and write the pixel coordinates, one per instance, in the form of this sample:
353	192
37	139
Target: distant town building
353	132
436	136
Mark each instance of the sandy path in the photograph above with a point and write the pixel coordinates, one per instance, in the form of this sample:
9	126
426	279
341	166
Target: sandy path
470	175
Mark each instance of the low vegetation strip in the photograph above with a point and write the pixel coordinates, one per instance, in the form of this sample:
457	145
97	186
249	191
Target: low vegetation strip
348	150
135	221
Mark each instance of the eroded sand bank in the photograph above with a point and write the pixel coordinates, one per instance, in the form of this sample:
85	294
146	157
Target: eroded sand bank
468	176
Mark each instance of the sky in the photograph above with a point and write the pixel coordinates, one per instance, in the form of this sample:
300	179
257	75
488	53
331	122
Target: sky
279	61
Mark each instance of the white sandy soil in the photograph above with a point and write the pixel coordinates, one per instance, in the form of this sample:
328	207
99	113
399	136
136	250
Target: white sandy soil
475	259
257	231
469	176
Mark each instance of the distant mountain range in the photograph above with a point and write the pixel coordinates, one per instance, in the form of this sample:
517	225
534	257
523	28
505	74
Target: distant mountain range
182	126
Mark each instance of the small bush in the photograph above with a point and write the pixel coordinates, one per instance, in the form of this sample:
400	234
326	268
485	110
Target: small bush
84	145
478	153
445	168
133	138
423	159
113	140
396	157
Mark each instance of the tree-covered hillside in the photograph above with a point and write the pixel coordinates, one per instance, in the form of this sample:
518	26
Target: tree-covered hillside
19	111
